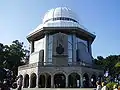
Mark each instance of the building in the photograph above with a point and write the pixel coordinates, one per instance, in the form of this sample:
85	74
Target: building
61	54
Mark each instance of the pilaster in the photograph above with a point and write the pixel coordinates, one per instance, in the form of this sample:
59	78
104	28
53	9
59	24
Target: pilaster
74	48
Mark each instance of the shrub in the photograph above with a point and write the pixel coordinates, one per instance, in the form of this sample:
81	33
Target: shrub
110	85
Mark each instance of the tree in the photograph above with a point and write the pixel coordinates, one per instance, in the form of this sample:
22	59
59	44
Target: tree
12	56
117	65
108	63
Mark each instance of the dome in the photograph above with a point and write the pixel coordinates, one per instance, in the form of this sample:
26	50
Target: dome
60	16
60	12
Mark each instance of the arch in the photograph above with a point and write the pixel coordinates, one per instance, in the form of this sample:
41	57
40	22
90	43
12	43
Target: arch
60	71
33	80
85	80
60	80
26	81
44	80
73	80
93	81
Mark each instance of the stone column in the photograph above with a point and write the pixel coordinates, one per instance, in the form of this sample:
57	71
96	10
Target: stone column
32	46
52	81
46	48
81	81
37	79
66	81
29	82
23	82
74	48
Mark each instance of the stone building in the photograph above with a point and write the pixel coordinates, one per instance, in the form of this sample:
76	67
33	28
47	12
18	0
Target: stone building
61	54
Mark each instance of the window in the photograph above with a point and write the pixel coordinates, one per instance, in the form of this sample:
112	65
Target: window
78	40
50	43
61	18
69	53
70	47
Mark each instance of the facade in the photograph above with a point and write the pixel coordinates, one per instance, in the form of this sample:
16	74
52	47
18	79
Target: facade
61	54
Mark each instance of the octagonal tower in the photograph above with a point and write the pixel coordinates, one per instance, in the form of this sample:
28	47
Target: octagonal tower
60	49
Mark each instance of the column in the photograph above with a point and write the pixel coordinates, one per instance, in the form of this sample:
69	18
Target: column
37	79
46	48
66	81
81	80
74	49
52	81
29	82
32	46
46	80
23	82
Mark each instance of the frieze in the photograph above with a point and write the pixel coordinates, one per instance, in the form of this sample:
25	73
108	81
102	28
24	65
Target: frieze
28	66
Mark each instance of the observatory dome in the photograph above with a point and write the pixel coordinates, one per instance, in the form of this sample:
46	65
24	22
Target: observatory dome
60	17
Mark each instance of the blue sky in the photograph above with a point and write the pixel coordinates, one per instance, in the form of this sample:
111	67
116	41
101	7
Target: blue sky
19	17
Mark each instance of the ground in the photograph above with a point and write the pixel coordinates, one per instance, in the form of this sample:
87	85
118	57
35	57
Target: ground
57	89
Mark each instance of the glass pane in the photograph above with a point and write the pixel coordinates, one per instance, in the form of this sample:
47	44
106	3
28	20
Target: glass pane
69	53
80	40
49	59
69	45
49	53
50	38
70	38
50	46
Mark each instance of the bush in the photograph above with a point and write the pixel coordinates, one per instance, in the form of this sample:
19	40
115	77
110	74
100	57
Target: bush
110	85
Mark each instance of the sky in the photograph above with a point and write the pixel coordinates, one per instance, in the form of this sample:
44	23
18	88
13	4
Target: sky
102	17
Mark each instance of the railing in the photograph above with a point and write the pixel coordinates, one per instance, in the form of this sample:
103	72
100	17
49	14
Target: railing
50	64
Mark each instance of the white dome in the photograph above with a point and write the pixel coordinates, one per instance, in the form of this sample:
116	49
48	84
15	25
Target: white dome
60	17
60	14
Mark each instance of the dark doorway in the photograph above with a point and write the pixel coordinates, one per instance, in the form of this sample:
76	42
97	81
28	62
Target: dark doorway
44	81
41	82
93	81
26	81
74	80
59	80
85	80
33	80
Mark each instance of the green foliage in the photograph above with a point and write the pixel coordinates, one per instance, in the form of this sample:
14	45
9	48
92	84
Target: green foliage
12	56
109	63
117	65
110	85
